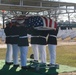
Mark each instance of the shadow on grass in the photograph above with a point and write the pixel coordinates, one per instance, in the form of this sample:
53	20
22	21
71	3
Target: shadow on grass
14	71
4	70
7	71
52	71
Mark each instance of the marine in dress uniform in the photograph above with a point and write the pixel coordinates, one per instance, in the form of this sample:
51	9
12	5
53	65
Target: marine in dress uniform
42	34
52	42
14	42
42	45
38	39
8	59
23	43
38	42
34	44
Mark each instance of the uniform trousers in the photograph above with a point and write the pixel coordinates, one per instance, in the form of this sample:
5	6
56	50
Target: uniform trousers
9	53
39	50
52	51
42	51
23	55
15	54
35	51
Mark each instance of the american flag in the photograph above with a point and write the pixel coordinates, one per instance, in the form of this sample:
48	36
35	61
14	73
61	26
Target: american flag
34	21
46	21
40	21
52	24
49	23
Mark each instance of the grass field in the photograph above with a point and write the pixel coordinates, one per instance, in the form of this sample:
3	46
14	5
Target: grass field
66	58
66	55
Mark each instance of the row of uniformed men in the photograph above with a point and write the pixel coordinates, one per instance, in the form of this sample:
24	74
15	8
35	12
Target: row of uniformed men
16	36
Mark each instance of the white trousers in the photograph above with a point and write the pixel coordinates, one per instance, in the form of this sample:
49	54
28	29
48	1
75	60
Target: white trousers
35	51
42	51
23	55
52	51
39	50
9	53
15	54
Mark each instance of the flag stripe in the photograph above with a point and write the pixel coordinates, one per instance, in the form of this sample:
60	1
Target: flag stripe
46	21
50	22
52	26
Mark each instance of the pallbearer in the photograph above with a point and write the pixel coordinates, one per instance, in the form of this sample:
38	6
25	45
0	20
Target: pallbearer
34	44
14	42
52	41
42	34
38	39
42	40
23	42
8	59
31	22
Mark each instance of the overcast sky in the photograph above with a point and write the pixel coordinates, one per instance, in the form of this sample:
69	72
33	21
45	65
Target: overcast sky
74	1
65	16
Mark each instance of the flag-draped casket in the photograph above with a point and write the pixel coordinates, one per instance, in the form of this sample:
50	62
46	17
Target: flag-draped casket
40	21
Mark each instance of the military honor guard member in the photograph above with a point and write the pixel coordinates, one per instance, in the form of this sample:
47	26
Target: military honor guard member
14	42
23	42
34	44
42	46
38	39
8	59
52	42
38	43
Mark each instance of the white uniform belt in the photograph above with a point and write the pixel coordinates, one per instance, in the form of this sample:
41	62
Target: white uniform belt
39	36
12	36
34	36
42	36
53	35
23	37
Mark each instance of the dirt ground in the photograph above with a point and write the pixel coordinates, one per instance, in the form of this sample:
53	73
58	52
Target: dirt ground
70	73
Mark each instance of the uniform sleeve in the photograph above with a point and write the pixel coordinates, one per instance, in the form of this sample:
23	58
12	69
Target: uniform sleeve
57	30
6	31
30	30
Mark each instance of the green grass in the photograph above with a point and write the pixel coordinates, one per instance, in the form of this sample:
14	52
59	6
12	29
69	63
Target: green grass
66	55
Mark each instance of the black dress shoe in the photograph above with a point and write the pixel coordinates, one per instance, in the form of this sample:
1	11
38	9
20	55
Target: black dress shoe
25	67
32	56
8	63
16	65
